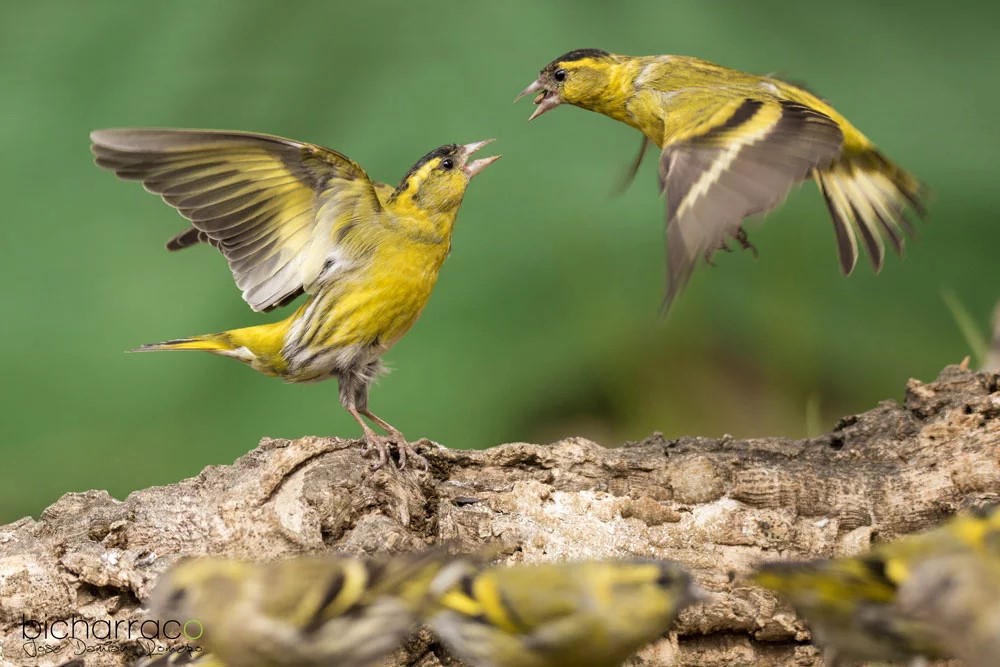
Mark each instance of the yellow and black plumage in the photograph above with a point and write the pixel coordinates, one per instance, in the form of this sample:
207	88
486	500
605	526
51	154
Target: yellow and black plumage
308	611
913	598
957	596
593	613
732	145
849	606
292	217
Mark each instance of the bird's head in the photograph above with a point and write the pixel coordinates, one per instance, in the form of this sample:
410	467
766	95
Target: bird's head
438	180
649	593
193	589
577	78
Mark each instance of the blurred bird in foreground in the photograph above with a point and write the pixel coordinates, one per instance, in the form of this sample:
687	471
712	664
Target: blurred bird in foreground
903	598
292	217
559	614
848	604
301	612
957	596
733	145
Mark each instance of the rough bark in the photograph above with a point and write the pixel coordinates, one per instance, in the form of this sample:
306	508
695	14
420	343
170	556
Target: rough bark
717	505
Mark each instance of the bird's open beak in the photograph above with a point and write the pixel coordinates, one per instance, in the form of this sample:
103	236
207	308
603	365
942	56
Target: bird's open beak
476	166
546	99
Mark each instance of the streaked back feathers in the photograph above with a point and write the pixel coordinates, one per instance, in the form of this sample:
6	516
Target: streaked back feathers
560	614
893	602
301	612
733	145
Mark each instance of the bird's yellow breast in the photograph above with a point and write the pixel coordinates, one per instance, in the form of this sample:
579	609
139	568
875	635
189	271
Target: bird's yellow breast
365	308
384	301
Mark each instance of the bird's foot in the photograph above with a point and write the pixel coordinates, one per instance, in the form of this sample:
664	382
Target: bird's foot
383	445
741	237
708	253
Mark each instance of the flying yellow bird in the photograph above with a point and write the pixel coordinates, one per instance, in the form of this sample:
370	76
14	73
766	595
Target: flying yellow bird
733	144
292	217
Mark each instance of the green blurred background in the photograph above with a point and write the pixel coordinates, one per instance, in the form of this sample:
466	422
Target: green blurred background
544	323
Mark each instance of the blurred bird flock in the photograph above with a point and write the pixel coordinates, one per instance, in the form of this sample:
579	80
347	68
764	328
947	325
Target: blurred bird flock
544	322
925	596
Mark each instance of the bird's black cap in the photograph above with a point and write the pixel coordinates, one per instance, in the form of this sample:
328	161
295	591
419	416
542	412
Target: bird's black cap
448	150
580	54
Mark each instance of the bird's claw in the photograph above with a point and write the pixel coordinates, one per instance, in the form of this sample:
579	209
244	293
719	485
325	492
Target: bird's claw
741	237
379	444
382	444
407	453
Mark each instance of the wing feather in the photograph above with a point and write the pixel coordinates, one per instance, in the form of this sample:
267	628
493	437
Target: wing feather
741	163
257	198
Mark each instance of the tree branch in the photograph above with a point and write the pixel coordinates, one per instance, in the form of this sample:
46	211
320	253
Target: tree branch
717	505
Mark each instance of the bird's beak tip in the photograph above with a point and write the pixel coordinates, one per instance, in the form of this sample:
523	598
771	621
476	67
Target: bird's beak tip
533	87
545	99
476	145
476	166
550	102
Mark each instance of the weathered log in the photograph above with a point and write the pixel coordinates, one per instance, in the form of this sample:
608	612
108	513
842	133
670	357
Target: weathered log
717	505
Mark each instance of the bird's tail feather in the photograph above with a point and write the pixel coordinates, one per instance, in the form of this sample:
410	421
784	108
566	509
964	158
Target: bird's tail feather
217	343
867	194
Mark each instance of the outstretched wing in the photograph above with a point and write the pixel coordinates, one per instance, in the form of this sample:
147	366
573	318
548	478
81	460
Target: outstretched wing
738	157
257	198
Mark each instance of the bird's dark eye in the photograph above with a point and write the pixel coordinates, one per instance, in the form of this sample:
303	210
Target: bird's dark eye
560	75
447	163
665	580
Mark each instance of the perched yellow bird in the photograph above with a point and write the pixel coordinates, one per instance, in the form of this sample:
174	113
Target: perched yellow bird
733	144
300	612
593	613
848	604
877	606
292	217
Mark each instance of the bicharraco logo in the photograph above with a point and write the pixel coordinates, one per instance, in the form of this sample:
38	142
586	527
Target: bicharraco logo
78	636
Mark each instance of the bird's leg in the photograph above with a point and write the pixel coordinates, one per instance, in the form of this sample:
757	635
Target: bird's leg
741	236
359	401
354	385
391	430
354	397
629	174
722	246
406	452
372	439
